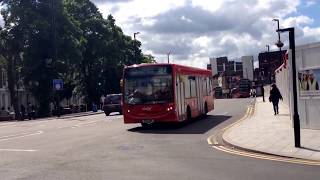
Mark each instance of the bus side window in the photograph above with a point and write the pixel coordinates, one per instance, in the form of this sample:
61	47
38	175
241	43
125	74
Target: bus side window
187	88
208	85
193	90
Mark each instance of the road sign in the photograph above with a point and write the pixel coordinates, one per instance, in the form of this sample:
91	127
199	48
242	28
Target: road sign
58	84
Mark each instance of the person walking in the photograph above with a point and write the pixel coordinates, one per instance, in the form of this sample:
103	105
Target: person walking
274	97
23	111
29	111
262	93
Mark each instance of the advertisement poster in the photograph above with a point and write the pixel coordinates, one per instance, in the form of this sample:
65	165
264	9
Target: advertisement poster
309	80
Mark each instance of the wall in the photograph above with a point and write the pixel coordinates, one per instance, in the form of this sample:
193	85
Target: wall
308	56
283	83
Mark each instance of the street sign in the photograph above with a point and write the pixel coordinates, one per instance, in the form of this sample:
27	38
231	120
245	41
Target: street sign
58	84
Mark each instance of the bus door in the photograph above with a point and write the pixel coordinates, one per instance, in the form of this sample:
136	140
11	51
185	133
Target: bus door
200	85
180	98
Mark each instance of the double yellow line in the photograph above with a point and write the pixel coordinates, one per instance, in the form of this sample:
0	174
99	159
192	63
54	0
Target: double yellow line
212	140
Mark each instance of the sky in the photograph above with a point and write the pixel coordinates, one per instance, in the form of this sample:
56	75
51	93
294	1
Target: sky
195	30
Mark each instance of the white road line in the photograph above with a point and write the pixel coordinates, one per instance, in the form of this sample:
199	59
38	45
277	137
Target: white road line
222	114
19	150
17	136
83	124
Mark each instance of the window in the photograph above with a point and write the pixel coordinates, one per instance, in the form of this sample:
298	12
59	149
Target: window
187	88
208	85
193	87
204	86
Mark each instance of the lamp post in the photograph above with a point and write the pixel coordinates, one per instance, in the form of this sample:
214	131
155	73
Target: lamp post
134	35
279	43
296	120
134	44
268	60
268	48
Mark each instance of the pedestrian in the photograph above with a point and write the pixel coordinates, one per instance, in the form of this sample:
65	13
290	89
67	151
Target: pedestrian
23	111
262	93
33	112
274	97
29	111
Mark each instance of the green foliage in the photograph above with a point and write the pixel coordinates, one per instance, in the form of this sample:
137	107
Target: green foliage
148	58
69	40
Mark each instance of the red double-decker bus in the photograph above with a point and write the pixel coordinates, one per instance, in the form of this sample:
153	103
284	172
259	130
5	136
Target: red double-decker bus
165	93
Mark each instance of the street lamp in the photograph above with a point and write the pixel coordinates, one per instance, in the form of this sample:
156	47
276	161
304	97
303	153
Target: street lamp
134	35
296	120
279	44
269	68
134	44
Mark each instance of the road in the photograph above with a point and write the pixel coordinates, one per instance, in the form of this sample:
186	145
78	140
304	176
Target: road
98	147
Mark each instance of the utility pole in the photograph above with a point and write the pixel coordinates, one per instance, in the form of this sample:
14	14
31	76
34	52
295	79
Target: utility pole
279	43
134	35
134	44
296	119
168	54
54	47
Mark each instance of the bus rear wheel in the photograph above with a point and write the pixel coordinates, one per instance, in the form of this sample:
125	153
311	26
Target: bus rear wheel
189	117
206	109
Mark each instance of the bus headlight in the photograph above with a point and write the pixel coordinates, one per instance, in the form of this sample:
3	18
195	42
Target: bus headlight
169	108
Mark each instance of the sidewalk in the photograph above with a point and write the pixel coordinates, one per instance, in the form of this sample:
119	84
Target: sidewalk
66	116
265	132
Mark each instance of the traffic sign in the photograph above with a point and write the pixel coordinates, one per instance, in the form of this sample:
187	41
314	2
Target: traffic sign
58	84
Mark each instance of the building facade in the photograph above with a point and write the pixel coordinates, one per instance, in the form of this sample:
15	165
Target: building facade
247	65
268	63
223	65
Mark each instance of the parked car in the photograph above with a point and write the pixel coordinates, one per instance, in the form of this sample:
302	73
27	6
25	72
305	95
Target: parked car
112	103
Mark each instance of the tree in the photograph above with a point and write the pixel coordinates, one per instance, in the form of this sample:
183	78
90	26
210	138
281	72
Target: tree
106	50
148	58
45	44
65	39
12	43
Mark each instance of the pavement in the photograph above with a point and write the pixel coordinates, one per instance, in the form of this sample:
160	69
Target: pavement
262	131
65	116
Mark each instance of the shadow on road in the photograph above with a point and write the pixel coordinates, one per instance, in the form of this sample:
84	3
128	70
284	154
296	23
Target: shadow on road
196	126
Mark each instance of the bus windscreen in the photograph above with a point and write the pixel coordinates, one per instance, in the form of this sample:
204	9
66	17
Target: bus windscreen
148	85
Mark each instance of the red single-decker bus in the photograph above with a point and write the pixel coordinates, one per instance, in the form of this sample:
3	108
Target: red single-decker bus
165	93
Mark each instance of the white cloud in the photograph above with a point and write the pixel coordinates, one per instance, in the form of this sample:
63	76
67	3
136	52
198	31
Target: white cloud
297	21
1	21
194	30
310	3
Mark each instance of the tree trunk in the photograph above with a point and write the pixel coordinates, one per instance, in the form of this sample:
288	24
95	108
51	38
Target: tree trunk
12	85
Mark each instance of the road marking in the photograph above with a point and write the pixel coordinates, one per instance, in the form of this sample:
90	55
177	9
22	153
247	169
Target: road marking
84	124
267	157
222	114
19	150
215	144
247	114
16	136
